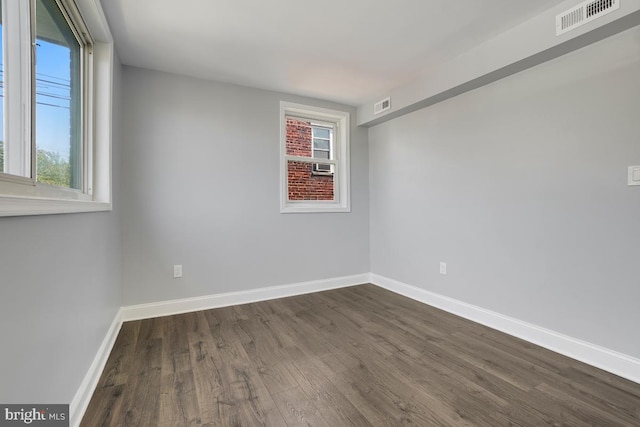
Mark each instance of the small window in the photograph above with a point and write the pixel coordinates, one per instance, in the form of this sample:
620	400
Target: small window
315	159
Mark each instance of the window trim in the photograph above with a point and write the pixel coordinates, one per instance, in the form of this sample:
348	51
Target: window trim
18	197
341	122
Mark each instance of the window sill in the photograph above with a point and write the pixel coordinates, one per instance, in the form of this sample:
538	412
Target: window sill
22	206
313	207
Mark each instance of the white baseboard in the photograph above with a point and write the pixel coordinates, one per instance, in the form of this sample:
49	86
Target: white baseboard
186	305
611	361
80	401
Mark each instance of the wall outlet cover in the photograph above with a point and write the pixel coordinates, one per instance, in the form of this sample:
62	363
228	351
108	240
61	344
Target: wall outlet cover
634	175
177	271
443	268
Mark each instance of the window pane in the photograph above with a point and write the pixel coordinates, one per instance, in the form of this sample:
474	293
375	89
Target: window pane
322	144
320	154
2	94
298	137
302	184
58	99
321	132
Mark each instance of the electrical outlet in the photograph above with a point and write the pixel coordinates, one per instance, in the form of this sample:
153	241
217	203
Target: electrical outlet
177	271
443	268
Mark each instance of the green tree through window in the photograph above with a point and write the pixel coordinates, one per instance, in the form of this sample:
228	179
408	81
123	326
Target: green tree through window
53	169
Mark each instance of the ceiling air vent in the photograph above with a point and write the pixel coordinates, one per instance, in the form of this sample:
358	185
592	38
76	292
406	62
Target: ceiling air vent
583	13
381	106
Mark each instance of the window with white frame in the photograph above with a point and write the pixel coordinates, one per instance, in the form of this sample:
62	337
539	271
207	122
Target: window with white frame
52	158
314	159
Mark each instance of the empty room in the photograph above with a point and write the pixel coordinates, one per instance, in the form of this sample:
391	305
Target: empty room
334	213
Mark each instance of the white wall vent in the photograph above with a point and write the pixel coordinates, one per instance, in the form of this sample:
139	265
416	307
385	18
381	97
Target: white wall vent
381	106
583	13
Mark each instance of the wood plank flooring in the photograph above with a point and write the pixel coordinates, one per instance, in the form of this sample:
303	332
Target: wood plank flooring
358	356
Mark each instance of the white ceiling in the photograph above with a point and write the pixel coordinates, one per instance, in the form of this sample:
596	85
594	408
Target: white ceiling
347	51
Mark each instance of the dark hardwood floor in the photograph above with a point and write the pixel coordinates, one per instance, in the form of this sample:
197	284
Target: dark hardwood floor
358	356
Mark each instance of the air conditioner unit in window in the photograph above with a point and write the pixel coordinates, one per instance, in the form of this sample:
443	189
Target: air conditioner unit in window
322	168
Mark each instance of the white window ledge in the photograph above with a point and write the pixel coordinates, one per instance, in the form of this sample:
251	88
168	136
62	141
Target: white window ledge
18	206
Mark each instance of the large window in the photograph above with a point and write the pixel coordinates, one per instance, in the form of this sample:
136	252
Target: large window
1	93
50	149
315	159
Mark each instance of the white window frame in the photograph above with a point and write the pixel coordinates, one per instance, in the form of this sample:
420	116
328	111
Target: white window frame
340	161
24	196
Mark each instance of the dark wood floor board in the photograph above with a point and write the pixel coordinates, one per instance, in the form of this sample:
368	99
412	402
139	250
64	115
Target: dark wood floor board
150	329
389	304
381	406
348	327
506	362
303	329
105	407
222	325
266	355
343	334
140	398
355	319
266	314
442	380
117	368
518	347
243	393
555	375
107	401
265	349
179	400
207	382
403	397
298	410
283	321
578	411
276	377
357	356
175	349
409	321
605	382
486	363
470	401
368	401
352	324
261	341
436	363
336	409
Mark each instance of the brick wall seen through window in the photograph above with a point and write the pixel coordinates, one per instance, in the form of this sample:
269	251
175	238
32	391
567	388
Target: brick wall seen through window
303	182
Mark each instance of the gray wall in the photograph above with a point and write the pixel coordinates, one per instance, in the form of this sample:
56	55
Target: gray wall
60	284
201	167
520	186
